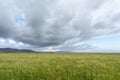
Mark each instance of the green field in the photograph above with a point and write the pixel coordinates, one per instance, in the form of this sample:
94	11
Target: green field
24	66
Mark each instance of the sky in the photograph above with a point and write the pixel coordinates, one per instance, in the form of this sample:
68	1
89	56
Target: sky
60	25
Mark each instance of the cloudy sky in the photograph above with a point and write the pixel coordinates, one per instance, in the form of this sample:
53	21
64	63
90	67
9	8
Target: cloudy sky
60	25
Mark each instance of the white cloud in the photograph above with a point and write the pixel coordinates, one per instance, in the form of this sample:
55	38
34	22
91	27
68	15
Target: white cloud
45	23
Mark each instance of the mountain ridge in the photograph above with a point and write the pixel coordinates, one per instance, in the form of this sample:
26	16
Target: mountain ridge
15	50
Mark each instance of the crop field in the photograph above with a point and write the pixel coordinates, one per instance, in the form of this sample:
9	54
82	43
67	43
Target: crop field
35	66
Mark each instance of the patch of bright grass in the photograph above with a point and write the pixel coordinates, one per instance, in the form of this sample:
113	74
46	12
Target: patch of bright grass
59	66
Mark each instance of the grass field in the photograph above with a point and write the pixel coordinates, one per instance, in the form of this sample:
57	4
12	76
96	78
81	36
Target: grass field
59	66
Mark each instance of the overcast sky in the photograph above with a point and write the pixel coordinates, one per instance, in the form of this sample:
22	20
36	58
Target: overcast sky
60	25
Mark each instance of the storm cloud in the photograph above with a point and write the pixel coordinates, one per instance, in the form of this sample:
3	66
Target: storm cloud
45	23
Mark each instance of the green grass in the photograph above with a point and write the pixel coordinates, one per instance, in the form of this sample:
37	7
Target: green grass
59	66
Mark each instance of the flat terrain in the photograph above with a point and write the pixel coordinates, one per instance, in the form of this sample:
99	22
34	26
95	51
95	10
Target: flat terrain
24	66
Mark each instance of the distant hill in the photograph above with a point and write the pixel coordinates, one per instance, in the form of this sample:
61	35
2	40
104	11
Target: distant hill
15	50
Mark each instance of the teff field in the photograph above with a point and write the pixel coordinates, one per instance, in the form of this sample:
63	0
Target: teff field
35	66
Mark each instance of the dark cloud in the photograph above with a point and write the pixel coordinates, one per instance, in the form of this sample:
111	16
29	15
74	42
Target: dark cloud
6	22
53	22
